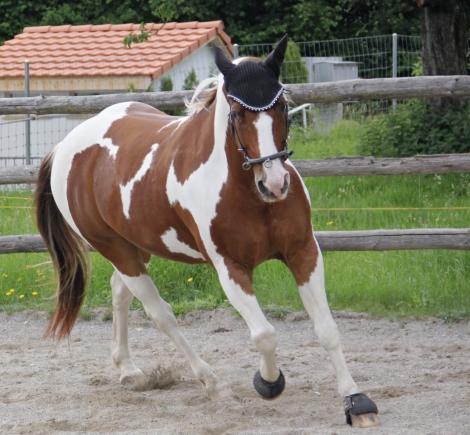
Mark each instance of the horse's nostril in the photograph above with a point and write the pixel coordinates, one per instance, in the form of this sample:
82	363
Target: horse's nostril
265	191
285	187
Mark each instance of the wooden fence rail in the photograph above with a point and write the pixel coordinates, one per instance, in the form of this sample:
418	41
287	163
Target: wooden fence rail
431	164
347	90
376	240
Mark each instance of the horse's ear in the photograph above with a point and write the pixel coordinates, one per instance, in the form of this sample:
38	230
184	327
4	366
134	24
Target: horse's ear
225	65
276	57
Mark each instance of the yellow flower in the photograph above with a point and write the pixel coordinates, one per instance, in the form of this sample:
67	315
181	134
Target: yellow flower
19	279
190	279
12	290
8	293
34	293
38	271
21	296
38	280
28	266
5	275
330	223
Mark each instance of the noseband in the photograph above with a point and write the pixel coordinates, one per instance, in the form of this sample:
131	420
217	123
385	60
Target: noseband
267	161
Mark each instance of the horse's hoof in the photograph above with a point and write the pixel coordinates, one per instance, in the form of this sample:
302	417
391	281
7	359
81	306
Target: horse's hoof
360	411
365	420
269	390
134	381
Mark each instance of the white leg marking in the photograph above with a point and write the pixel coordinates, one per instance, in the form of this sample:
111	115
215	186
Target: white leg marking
314	299
263	333
161	313
170	239
122	298
126	190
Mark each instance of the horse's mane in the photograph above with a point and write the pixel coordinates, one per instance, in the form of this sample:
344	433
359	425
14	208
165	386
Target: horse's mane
203	96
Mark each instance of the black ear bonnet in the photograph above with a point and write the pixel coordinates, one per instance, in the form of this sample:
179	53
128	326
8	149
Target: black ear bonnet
255	85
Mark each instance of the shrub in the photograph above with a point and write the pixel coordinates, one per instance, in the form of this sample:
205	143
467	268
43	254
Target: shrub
190	81
414	128
166	84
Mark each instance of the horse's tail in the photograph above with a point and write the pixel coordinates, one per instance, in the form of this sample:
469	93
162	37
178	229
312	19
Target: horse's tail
68	252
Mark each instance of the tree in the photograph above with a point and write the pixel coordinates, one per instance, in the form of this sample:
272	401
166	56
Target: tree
444	42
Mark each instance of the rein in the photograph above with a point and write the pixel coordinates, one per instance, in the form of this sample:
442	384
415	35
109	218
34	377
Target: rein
267	161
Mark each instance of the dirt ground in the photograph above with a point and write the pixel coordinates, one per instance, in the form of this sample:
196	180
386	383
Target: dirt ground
418	373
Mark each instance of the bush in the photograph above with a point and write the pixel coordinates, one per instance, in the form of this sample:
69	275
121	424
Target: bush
190	81
414	128
166	84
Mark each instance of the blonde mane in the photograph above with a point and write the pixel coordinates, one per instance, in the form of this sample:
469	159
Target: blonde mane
203	96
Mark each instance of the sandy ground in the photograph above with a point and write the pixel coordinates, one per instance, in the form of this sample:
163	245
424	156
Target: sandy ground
418	373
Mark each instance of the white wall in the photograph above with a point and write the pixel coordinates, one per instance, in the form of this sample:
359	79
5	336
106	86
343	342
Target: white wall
203	63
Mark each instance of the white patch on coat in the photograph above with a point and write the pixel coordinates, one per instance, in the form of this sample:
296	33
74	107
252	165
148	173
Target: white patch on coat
200	193
264	127
126	190
170	239
276	173
88	134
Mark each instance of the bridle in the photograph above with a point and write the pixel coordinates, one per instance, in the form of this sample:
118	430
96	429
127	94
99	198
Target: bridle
267	161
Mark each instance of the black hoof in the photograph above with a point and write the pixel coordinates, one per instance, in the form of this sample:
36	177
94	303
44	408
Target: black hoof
356	404
269	390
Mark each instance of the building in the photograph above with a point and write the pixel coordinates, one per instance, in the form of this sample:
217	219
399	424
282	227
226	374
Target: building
92	59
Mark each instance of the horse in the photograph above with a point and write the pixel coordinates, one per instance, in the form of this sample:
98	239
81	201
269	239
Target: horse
215	186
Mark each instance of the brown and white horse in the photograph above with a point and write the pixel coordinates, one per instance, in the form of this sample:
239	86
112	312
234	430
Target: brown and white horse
134	182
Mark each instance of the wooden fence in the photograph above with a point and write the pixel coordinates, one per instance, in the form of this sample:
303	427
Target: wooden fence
348	90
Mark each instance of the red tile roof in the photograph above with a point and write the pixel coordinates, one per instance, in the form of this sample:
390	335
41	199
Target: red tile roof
89	50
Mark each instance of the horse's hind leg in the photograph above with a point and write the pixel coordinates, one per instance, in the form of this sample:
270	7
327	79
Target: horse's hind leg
131	375
161	313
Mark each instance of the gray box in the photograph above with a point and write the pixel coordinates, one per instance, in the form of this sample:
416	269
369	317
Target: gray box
331	70
334	71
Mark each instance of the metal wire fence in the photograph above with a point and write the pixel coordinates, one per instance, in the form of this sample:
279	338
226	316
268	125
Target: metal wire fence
370	57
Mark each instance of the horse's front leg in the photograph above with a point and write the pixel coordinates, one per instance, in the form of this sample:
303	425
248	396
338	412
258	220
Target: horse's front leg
308	271
236	281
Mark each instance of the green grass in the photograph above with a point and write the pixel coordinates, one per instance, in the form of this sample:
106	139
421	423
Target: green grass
394	283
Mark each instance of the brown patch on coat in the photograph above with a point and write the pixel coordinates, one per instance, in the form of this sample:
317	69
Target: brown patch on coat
135	134
199	147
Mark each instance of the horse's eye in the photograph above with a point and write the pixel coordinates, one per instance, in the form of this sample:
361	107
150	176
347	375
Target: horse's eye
236	116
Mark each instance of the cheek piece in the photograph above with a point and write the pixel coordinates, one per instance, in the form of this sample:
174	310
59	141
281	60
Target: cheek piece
267	160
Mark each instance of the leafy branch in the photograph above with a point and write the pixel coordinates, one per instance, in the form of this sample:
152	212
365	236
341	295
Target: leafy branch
166	11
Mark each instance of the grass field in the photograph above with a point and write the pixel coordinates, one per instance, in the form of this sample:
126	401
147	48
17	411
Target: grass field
394	283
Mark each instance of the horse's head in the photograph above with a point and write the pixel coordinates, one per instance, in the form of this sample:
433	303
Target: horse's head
258	118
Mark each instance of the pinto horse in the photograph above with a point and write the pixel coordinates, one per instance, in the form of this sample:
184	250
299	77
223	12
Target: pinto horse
215	186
